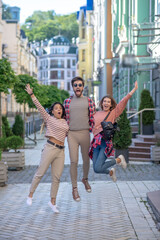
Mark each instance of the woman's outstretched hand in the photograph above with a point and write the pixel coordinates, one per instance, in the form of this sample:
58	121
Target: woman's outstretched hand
28	89
136	85
134	89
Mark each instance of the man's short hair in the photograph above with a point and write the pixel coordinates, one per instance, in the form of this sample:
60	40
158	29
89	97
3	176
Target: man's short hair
77	79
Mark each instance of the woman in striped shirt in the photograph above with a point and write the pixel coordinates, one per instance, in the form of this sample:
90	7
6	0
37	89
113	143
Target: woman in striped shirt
53	152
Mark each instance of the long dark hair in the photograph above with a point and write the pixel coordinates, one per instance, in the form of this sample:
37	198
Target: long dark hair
51	109
113	102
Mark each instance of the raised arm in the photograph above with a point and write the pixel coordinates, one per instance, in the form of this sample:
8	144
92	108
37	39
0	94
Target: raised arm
134	89
122	104
41	109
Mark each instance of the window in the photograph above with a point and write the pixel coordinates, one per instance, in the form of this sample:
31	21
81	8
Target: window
54	84
57	63
83	55
83	33
73	74
73	62
68	86
57	74
68	74
68	63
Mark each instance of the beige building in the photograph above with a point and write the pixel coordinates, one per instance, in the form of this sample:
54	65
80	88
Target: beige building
23	61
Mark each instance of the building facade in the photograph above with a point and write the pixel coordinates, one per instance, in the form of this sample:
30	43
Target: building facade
135	40
56	62
22	59
102	74
85	46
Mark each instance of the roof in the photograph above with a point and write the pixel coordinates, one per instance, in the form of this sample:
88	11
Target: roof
59	40
72	50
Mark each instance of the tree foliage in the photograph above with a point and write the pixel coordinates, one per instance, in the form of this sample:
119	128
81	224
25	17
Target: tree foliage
18	126
7	131
7	76
146	102
19	89
54	95
14	142
122	138
64	95
44	25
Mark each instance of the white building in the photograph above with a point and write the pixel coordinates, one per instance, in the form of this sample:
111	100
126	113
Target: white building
57	62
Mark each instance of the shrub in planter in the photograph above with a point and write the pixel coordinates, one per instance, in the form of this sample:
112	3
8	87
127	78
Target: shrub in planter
14	159
3	144
7	131
3	171
14	142
18	127
123	138
147	116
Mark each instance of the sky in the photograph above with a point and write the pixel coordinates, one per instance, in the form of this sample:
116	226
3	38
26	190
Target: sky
59	6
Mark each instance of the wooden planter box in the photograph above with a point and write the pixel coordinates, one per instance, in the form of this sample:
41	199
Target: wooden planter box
14	159
3	173
155	153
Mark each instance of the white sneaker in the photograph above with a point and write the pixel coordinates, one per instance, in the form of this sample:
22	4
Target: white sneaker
123	163
114	178
29	201
54	207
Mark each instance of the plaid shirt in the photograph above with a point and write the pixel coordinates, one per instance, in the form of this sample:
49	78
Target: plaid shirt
91	109
109	151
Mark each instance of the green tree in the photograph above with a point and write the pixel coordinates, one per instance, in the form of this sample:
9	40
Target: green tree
146	102
54	95
21	95
64	95
14	142
45	25
123	138
18	126
6	127
7	80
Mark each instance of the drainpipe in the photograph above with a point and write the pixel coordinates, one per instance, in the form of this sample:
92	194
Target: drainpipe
104	91
129	49
150	12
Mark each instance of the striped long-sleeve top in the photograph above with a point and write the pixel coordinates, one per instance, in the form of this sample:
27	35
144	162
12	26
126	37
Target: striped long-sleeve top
57	128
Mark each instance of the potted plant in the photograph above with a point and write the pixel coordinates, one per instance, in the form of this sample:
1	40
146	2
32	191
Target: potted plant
155	151
147	116
14	159
123	138
3	172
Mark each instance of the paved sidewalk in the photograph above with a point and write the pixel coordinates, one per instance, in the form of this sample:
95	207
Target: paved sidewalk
113	211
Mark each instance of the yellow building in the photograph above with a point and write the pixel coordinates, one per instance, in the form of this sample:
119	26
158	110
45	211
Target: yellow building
85	47
23	61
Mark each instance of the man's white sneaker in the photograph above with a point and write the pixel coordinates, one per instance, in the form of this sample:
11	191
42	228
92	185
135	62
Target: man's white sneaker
53	207
123	163
29	201
113	176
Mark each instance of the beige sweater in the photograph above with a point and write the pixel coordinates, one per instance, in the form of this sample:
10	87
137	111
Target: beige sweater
100	115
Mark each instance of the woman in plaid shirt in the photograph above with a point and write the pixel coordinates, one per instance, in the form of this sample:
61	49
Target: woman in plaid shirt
101	149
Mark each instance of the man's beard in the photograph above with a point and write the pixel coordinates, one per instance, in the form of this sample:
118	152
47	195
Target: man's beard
79	93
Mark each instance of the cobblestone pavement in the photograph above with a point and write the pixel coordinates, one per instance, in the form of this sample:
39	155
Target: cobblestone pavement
113	211
134	172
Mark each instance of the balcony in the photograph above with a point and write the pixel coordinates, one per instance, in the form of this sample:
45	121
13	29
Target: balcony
146	33
56	66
